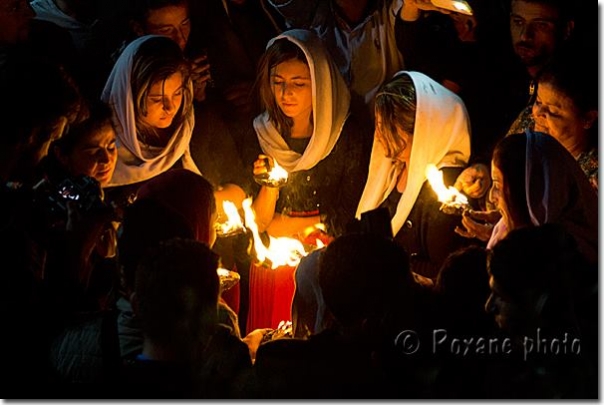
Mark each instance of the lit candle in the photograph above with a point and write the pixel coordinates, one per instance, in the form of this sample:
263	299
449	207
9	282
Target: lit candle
453	202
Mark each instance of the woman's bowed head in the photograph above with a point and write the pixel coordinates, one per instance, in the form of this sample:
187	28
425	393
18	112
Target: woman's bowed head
150	92
306	106
537	181
417	123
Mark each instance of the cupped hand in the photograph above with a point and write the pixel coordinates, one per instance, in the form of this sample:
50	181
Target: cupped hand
478	224
201	77
254	339
474	181
263	164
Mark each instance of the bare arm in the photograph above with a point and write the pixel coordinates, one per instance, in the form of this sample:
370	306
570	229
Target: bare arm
264	206
283	225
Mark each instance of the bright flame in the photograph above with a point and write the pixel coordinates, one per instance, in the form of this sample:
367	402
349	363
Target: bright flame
446	195
461	6
281	251
223	272
277	173
233	223
227	278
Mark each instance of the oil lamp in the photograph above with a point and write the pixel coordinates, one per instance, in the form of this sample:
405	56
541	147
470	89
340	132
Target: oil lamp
453	202
276	176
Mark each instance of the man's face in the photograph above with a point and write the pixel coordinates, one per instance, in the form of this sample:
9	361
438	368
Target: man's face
15	16
170	21
536	31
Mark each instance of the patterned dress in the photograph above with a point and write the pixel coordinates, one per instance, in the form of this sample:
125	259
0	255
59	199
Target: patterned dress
589	164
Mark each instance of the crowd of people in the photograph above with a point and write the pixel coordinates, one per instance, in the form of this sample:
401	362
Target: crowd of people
128	126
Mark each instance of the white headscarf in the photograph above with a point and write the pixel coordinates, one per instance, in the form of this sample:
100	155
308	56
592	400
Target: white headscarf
137	163
441	137
330	105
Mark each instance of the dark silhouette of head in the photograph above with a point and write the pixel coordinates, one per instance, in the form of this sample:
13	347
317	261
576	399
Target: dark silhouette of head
364	277
531	279
462	286
176	294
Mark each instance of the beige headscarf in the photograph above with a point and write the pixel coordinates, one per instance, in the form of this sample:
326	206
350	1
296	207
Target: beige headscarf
557	191
137	163
330	103
441	137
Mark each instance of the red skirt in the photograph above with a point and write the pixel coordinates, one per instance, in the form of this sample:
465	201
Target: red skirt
272	290
271	295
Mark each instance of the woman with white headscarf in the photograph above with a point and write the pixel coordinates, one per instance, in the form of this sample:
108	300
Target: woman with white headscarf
418	123
149	90
150	93
536	181
307	129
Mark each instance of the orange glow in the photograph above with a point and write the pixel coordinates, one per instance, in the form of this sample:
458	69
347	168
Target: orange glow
233	223
277	173
449	196
281	251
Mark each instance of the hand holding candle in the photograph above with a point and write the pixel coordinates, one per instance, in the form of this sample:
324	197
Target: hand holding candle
474	181
267	172
452	200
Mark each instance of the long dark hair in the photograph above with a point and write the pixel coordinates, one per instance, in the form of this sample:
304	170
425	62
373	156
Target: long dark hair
280	51
396	103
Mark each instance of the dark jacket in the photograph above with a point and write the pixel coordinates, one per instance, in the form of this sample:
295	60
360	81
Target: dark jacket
428	233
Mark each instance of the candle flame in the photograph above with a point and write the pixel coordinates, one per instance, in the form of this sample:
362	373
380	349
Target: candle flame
277	173
233	223
446	195
281	251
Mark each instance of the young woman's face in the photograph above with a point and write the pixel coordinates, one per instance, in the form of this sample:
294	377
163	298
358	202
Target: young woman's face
95	156
557	115
496	194
163	101
292	88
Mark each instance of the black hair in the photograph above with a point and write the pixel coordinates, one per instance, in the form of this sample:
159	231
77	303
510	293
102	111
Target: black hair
177	294
100	116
